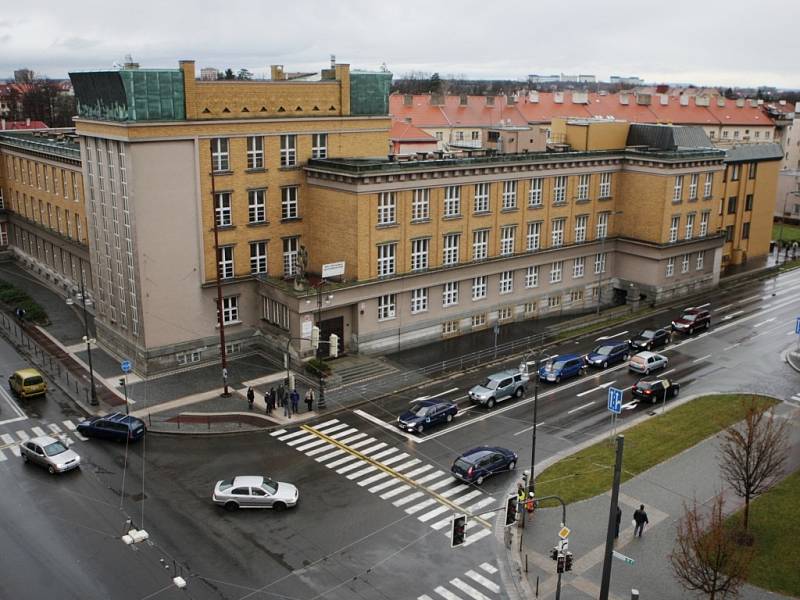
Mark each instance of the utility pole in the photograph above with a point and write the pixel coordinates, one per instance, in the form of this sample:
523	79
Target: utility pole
532	481
612	521
220	316
93	395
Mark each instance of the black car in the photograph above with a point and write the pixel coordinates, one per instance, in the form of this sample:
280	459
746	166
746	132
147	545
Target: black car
655	389
475	465
649	339
117	427
692	319
426	413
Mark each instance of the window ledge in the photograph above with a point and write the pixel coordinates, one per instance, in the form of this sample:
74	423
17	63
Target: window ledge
225	227
420	221
482	213
605	198
256	170
583	200
258	224
535	206
563	203
291	219
509	210
452	217
386	225
289	168
229	323
226	172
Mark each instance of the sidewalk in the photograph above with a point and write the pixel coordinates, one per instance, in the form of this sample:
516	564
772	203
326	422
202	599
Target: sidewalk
663	490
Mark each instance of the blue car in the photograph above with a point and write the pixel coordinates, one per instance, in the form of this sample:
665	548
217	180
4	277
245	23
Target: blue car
608	353
561	367
426	413
117	427
475	465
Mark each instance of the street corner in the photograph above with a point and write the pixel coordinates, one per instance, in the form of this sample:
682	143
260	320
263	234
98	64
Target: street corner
792	357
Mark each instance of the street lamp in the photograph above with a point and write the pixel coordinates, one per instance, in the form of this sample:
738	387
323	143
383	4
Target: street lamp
602	268
89	341
531	480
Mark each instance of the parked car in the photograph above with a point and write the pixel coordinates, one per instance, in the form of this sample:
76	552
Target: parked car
692	319
50	453
649	339
499	387
427	413
647	362
116	426
609	353
655	389
254	491
27	383
561	367
475	465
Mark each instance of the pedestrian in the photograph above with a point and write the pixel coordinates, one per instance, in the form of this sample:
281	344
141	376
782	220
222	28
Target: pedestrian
267	408
309	399
295	399
273	399
251	398
640	519
619	520
281	396
794	249
287	406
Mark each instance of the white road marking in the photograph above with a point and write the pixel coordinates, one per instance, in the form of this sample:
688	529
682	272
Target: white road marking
407	465
667	372
8	439
394	459
790	333
294	434
429	477
23	435
418	507
733	314
446	594
54	428
466	498
373	479
325	447
468	589
322	426
440	484
362	443
487	583
442	524
450	391
702	358
704	305
373	449
396	491
383	485
742	301
362	472
491	569
721	308
333	428
630	405
418	471
353	438
764	322
2	456
609	337
325	457
529	428
314	444
277	432
341	461
408	499
433	513
569	412
350	467
602	386
38	431
478	505
302	439
732	346
70	425
384	424
383	453
342	434
15	451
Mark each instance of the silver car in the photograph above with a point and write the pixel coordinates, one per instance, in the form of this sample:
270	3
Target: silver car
50	453
498	387
647	362
254	491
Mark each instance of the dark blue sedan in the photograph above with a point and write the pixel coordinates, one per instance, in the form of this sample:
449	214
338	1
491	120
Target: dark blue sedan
117	427
608	353
475	465
426	413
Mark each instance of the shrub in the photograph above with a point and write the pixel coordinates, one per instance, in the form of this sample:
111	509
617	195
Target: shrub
315	366
16	298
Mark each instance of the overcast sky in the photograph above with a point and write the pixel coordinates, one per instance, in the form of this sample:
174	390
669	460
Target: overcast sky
714	42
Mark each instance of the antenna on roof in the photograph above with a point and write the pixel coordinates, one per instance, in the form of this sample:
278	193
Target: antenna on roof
333	60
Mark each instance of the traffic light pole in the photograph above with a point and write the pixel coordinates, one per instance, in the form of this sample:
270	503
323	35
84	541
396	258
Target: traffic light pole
612	521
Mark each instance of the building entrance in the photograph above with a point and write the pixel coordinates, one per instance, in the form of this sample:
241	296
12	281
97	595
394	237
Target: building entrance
326	328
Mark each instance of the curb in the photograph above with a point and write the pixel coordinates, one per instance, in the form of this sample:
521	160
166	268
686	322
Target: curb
787	356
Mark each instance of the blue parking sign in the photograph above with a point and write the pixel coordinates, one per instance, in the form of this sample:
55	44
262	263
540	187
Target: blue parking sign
797	326
615	400
125	365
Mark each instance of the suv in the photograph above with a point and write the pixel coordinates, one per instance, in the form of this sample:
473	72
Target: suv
498	387
691	320
116	427
608	353
562	366
27	383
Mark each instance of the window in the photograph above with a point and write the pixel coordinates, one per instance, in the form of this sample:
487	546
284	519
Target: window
685	264
729	233
700	259
506	282
75	195
290	246
289	203
459	136
689	226
450	327
745	231
223	209
576	295
704	224
288	150
678	189
529	308
670	266
230	309
386	259
732	205
534	237
709	182
560	189
419	254
693	178
419	300
480	244
507	234
535	194
450	249
255	152
553	301
673	228
735	172
580	228
578	267
505	313
226	262
481	201
258	257
583	187
439	136
420	205
600	263
479	320
601	230
605	185
452	201
450	293
557	234
319	145
386	208
220	159
509	195
532	276
748	202
556	270
386	307
257	206
479	287
476	135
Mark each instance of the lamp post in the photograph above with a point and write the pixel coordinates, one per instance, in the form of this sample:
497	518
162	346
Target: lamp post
602	268
89	341
321	403
532	479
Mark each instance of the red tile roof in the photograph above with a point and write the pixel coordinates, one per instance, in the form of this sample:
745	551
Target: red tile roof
7	125
406	132
730	114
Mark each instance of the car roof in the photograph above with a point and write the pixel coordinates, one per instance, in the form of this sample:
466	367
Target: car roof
694	311
650	380
27	373
122	418
503	374
248	480
44	440
482	451
612	342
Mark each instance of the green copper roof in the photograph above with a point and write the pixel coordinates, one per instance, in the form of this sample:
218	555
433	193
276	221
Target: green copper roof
369	93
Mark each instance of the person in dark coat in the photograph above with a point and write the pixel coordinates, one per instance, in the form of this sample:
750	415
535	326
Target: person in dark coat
640	517
281	396
272	399
619	520
294	396
309	399
251	397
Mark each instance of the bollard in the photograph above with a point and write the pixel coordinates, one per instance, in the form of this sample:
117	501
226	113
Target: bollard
526	562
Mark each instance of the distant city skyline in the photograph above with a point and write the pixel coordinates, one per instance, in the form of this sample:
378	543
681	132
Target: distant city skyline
714	43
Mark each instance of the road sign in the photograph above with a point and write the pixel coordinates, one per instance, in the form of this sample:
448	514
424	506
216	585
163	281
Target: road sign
626	559
563	545
125	365
615	400
797	326
564	532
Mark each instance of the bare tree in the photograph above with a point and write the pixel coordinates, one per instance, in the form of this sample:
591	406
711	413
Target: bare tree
707	557
752	453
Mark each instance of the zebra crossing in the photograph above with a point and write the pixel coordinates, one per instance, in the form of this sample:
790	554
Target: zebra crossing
419	489
795	399
481	583
66	431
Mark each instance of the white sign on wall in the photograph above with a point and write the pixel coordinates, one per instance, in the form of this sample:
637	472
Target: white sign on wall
333	269
306	326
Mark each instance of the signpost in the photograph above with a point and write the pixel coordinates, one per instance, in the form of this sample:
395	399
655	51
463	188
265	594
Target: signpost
626	559
615	406
125	365
797	330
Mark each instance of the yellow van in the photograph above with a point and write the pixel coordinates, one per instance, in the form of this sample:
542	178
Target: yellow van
27	383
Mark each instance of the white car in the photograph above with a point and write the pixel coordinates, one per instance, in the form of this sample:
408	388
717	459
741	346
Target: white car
647	362
50	453
254	491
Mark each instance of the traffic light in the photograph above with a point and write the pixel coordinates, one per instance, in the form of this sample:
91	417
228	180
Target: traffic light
554	553
333	346
568	561
511	510
459	531
560	563
314	337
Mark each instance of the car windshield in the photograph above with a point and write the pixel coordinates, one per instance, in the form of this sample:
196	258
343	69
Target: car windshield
269	485
490	383
226	484
645	385
691	317
606	349
647	333
54	449
557	365
35	380
421	410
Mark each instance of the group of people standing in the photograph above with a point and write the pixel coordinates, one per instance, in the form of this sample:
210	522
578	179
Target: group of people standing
283	397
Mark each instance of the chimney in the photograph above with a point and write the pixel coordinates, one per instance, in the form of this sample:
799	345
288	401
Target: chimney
739	102
408	100
643	99
558	97
579	97
407	120
782	102
276	73
701	100
437	99
753	103
511	100
684	100
533	97
463	100
623	99
664	99
721	101
489	100
28	122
